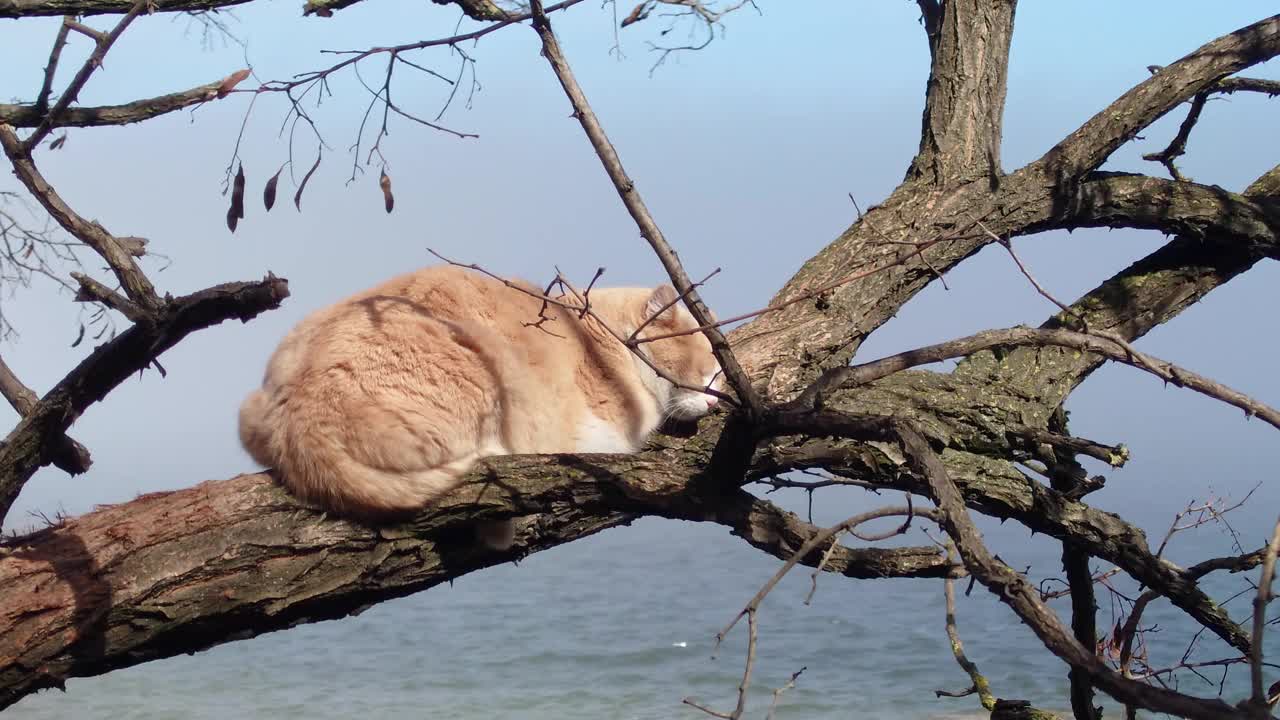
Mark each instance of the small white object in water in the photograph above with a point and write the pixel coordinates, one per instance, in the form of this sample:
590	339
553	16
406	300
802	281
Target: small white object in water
680	644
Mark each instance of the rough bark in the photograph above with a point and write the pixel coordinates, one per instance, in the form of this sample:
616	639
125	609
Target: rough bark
177	572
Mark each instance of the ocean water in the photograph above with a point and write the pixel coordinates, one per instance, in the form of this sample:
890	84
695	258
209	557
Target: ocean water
622	625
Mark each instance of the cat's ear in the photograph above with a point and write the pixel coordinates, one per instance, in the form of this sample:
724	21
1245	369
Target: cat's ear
659	299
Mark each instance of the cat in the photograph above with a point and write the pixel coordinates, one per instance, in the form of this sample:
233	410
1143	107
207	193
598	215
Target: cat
377	406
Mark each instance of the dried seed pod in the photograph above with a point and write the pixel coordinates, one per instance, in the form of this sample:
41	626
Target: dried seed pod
269	192
236	211
384	181
297	197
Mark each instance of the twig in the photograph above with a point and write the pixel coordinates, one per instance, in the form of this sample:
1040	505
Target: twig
93	291
580	307
632	338
1113	455
980	684
97	36
1260	700
813	543
777	694
1178	145
734	373
50	69
745	683
77	83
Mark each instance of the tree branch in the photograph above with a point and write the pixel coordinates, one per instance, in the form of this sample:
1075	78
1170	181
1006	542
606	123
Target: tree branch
46	8
28	446
639	212
991	487
72	92
1090	145
1093	343
1014	590
965	97
26	116
51	68
67	455
132	279
126	583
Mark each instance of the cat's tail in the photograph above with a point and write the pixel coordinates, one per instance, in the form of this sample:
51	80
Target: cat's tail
255	434
317	469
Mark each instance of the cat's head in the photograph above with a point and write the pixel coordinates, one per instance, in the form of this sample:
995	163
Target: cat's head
686	357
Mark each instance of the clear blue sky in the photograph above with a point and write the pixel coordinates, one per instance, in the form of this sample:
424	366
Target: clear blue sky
745	152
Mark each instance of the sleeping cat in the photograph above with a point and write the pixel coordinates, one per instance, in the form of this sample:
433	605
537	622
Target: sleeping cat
377	405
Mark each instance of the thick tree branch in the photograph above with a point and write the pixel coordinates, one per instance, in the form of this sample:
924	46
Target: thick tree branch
1121	200
30	445
126	583
1221	236
1090	145
964	101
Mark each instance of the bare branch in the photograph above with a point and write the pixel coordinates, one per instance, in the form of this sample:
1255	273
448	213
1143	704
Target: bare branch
639	212
1178	145
68	455
45	8
1090	145
50	69
93	291
135	283
25	450
1261	703
69	95
980	684
26	116
581	308
1014	590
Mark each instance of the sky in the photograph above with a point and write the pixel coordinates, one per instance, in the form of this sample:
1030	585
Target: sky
745	151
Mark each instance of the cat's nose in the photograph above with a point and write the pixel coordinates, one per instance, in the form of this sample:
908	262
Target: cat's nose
711	401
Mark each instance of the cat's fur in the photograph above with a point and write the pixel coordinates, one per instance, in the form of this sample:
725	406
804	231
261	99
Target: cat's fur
378	404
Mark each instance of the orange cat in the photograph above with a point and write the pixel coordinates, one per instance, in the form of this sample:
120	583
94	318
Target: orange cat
380	403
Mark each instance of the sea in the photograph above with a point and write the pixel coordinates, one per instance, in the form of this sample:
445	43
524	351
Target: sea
622	625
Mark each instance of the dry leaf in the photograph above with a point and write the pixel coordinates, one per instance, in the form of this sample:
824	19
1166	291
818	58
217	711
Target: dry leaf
385	183
58	142
232	218
229	82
